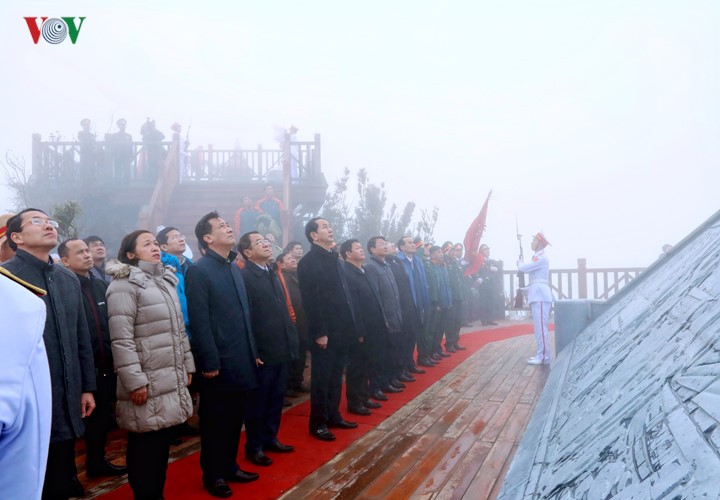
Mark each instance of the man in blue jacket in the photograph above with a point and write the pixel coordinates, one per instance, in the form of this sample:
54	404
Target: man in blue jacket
224	351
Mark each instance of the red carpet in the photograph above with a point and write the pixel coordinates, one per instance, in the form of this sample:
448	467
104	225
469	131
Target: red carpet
183	478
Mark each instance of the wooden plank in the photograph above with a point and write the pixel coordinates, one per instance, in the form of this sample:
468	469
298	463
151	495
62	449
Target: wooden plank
484	481
501	476
399	468
412	481
441	473
464	472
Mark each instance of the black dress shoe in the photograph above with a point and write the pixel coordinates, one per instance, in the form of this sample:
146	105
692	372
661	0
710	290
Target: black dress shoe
219	489
406	378
450	349
443	355
416	370
391	389
397	384
278	447
379	396
301	388
287	402
435	356
259	458
458	347
342	424
372	404
425	362
75	488
323	434
105	468
290	393
359	410
243	476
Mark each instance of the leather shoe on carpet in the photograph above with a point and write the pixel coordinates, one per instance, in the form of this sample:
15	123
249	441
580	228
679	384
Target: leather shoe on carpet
259	458
416	370
75	488
278	447
323	434
219	489
443	355
359	410
450	349
301	388
391	390
379	396
406	378
397	384
372	404
290	393
342	424
105	468
458	347
426	363
243	476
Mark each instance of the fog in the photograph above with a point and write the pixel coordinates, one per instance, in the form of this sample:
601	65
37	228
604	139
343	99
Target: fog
596	122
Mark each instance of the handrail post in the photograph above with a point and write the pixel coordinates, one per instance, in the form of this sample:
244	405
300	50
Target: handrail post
582	278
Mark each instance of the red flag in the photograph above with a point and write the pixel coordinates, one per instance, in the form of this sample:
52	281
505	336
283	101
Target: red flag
472	241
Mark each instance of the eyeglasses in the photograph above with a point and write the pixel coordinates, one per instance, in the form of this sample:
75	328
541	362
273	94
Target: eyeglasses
261	242
177	237
37	221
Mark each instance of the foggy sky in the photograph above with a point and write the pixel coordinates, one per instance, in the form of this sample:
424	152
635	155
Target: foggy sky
597	122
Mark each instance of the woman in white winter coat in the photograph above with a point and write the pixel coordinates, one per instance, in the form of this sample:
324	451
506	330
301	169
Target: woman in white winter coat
152	359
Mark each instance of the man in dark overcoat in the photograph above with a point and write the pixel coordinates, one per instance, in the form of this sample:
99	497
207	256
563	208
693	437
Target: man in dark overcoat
32	235
277	344
224	350
331	326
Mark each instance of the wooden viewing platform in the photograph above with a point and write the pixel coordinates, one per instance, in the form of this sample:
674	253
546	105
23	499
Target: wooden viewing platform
455	440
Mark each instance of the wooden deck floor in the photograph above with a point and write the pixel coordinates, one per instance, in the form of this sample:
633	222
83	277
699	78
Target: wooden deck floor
456	440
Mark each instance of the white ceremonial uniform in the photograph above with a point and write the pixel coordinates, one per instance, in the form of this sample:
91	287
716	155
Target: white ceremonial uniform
25	392
540	298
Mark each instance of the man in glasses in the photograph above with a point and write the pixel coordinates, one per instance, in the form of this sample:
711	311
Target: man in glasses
277	344
32	235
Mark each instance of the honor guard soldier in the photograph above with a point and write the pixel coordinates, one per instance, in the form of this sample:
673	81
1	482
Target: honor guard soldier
539	296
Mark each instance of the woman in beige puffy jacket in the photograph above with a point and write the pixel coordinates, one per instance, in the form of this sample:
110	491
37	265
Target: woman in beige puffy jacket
152	359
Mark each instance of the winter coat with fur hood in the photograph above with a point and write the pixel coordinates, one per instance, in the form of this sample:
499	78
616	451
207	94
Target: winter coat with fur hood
149	346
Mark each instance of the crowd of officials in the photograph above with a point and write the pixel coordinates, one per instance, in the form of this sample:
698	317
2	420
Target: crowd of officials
134	340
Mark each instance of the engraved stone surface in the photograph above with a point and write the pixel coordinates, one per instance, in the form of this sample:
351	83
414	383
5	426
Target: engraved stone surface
632	406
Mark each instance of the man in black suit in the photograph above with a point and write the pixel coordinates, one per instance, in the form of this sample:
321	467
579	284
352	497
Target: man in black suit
365	373
76	256
331	327
277	344
224	351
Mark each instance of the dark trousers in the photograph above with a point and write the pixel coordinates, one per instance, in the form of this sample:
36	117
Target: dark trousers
438	329
297	366
357	378
60	470
264	407
100	421
394	357
378	351
424	344
411	330
326	384
147	462
453	322
485	302
221	419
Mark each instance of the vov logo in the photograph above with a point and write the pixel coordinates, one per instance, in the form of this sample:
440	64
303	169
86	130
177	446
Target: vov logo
54	30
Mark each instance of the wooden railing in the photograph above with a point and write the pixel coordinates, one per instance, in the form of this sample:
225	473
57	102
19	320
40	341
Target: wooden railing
580	283
98	161
252	164
69	162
